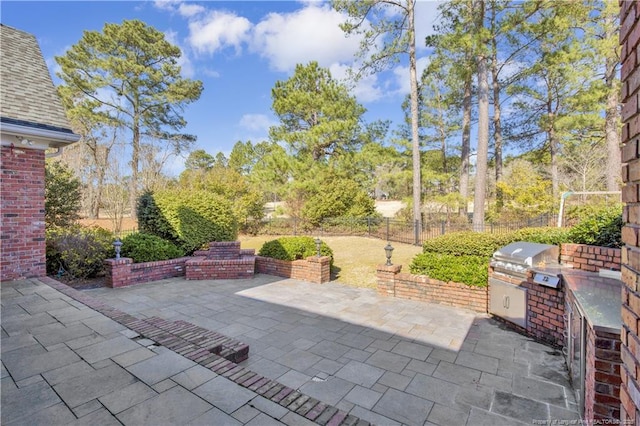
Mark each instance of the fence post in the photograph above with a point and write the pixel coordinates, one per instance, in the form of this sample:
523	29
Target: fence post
368	226
387	229
295	226
443	227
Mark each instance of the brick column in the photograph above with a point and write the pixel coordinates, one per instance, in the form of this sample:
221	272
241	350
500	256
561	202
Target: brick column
386	276
22	241
118	271
630	78
319	269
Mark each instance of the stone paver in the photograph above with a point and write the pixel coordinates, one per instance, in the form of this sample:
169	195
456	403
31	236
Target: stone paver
325	354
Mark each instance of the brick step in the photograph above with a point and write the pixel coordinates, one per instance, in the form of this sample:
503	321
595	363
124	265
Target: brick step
204	339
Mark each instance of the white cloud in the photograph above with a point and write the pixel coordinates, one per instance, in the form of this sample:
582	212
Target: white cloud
218	30
309	34
178	6
189	10
366	89
256	123
401	73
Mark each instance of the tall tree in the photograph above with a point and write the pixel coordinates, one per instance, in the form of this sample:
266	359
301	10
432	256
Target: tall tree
388	31
318	116
129	74
199	160
607	49
453	44
480	187
557	77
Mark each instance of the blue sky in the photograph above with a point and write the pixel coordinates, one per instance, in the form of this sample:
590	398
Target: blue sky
238	49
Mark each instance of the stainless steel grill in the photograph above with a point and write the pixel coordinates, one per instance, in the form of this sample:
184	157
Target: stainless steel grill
511	264
521	256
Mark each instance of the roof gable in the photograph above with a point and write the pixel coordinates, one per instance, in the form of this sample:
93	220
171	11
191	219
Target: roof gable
27	93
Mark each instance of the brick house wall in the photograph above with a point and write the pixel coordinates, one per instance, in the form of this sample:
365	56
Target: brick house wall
630	78
22	237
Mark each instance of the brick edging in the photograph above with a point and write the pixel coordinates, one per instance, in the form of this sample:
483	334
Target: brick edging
195	343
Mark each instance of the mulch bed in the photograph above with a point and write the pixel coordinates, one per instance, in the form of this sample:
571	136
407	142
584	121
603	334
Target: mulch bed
82	284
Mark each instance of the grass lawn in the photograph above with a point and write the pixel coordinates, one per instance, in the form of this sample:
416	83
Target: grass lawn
355	258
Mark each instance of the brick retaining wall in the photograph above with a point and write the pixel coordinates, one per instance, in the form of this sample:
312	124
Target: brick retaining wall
391	282
590	258
201	268
123	272
234	263
312	269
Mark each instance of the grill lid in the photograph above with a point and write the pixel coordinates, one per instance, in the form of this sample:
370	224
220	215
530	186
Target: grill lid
525	254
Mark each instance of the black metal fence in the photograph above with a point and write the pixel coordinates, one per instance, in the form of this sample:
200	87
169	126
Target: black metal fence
388	229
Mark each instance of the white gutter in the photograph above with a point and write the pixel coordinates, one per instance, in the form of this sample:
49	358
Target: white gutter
30	136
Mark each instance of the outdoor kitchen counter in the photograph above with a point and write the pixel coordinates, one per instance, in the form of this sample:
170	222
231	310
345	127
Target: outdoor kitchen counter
599	297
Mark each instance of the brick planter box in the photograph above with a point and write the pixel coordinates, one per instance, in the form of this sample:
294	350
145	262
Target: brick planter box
391	282
312	269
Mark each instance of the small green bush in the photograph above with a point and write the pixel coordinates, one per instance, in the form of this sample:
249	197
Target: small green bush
80	251
293	248
469	270
600	228
143	247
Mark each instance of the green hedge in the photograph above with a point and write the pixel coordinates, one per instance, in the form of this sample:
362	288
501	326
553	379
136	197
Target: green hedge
464	257
293	248
143	247
600	228
466	243
190	219
469	270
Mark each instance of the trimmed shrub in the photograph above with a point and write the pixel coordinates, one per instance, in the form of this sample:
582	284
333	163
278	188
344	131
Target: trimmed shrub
601	228
545	235
469	270
143	247
79	251
464	257
190	219
293	248
467	243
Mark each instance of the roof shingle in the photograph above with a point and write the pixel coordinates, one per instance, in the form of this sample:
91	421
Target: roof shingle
27	93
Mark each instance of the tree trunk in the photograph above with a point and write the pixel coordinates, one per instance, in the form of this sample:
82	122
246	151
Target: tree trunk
611	125
415	138
497	123
135	160
480	189
466	145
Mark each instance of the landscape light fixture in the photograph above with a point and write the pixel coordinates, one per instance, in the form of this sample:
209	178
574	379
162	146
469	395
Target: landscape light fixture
117	244
388	251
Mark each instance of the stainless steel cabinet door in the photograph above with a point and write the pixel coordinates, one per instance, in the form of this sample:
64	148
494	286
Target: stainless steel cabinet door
508	301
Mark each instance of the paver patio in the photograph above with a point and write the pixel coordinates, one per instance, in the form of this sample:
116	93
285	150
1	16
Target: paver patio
382	360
